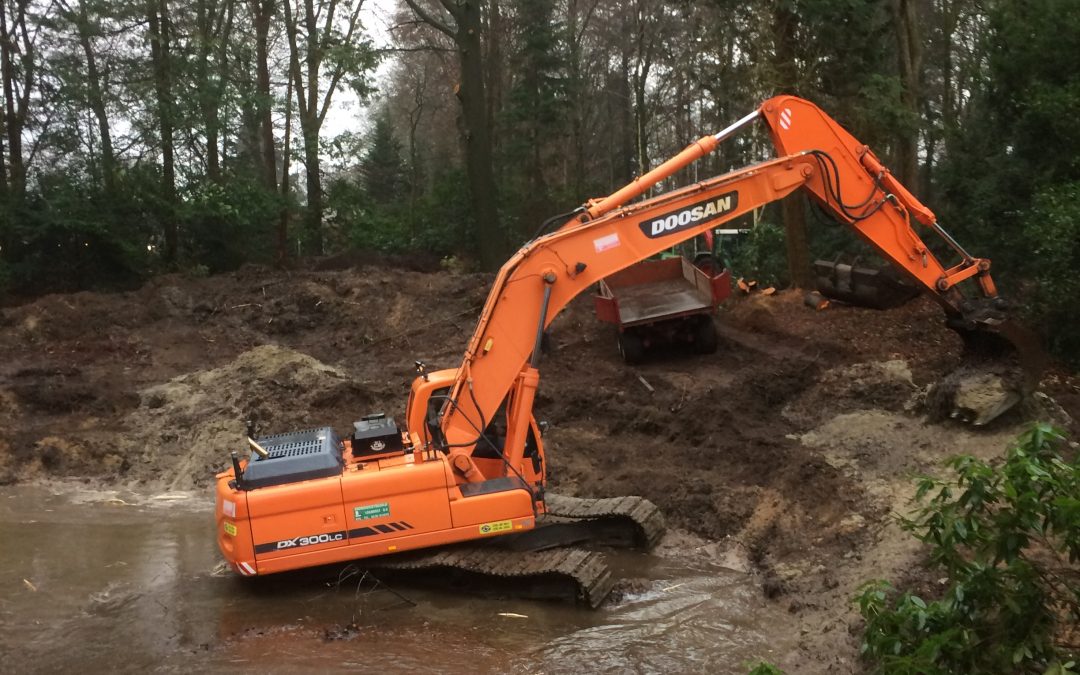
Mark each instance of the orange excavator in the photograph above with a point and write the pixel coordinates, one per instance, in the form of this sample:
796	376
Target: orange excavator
469	463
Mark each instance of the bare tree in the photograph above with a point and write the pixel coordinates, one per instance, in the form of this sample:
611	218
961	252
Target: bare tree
460	20
318	41
18	71
160	34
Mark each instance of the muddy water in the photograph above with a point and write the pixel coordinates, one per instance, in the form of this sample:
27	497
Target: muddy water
98	581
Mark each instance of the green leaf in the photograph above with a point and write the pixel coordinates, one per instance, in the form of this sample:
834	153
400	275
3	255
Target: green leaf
961	531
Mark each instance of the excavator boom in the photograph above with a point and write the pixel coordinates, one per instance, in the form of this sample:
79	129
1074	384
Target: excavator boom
609	234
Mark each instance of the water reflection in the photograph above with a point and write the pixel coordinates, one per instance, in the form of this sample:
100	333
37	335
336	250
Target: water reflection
128	582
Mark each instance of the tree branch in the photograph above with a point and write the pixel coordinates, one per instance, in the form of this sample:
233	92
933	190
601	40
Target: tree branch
294	59
405	50
335	79
429	19
329	25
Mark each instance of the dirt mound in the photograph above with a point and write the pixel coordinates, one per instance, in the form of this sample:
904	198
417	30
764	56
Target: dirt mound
186	427
177	435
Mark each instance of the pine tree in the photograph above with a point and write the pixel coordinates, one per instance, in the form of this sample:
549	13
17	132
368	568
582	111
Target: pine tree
536	109
383	172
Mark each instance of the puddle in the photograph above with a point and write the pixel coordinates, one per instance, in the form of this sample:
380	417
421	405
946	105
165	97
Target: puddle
94	581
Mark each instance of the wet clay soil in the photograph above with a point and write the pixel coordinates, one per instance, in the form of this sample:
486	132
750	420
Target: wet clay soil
782	455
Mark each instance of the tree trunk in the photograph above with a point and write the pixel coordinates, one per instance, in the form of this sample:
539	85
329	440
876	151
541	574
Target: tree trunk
4	187
495	62
158	22
283	217
14	120
623	117
310	125
263	10
313	214
416	113
948	98
491	242
641	145
796	239
210	73
909	53
97	103
215	137
3	165
576	91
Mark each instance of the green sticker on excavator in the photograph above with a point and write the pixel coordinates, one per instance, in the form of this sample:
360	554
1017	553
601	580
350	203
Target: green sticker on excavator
371	511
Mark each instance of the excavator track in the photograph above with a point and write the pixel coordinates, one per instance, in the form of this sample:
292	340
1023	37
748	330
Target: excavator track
636	516
543	563
572	574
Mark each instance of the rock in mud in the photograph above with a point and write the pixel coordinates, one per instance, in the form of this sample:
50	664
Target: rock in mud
973	395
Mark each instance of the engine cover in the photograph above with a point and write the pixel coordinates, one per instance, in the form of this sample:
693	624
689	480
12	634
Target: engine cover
294	457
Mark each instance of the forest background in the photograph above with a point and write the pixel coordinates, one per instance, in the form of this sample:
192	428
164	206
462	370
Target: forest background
147	136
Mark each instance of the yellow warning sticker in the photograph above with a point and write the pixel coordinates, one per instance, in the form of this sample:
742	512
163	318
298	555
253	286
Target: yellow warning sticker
230	528
497	526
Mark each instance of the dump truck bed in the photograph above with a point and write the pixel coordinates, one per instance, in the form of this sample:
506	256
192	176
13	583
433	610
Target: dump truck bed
657	290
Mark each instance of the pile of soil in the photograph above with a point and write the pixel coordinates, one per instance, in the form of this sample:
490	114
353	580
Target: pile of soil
792	444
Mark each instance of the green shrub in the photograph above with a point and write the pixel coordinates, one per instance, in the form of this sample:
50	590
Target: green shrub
760	255
1008	539
225	225
68	234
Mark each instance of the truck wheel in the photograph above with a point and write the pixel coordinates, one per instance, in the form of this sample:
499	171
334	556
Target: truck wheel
705	339
631	348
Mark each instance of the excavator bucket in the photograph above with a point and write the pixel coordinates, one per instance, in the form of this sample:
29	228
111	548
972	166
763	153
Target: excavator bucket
877	288
1000	368
1001	363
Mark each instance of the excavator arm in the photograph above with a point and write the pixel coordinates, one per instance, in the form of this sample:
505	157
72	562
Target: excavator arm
607	235
856	188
